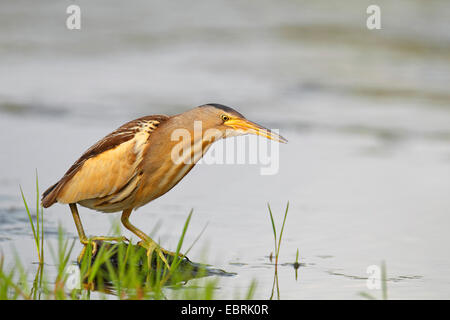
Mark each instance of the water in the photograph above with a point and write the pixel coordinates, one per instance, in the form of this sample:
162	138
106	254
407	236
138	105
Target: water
366	113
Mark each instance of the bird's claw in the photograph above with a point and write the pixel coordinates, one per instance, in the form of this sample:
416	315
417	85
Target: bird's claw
153	246
144	244
94	242
83	251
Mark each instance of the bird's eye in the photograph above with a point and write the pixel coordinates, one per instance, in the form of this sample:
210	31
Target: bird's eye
225	118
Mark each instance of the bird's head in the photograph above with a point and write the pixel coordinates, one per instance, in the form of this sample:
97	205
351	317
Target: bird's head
232	123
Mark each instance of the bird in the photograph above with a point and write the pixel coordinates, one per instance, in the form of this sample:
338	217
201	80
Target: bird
141	161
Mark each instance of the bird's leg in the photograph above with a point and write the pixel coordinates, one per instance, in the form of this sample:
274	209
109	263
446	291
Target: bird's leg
83	239
146	242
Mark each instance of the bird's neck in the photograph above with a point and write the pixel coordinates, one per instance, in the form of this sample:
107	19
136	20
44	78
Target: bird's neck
190	141
184	149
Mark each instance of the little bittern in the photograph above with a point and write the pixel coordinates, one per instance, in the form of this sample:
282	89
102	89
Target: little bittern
142	160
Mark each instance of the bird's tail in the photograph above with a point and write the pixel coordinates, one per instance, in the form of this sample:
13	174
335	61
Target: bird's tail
49	196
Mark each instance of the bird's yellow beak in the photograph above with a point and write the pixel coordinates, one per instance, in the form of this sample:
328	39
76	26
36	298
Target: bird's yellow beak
252	128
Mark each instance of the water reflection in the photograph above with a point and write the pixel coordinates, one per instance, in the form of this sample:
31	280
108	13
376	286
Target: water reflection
116	265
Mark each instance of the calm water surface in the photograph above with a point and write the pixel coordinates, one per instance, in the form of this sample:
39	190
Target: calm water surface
367	115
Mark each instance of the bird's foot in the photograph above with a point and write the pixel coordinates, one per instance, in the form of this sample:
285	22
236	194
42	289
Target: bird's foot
161	252
107	238
94	243
151	247
166	252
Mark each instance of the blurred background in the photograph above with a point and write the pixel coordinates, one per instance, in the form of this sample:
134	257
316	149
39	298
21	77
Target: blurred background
366	113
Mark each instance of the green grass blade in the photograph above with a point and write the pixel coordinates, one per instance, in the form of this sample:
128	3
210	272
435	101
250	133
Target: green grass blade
367	296
273	227
282	228
186	224
196	239
251	290
31	221
38	243
177	259
384	281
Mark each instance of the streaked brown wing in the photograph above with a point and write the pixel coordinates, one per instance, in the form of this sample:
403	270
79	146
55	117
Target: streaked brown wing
107	166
